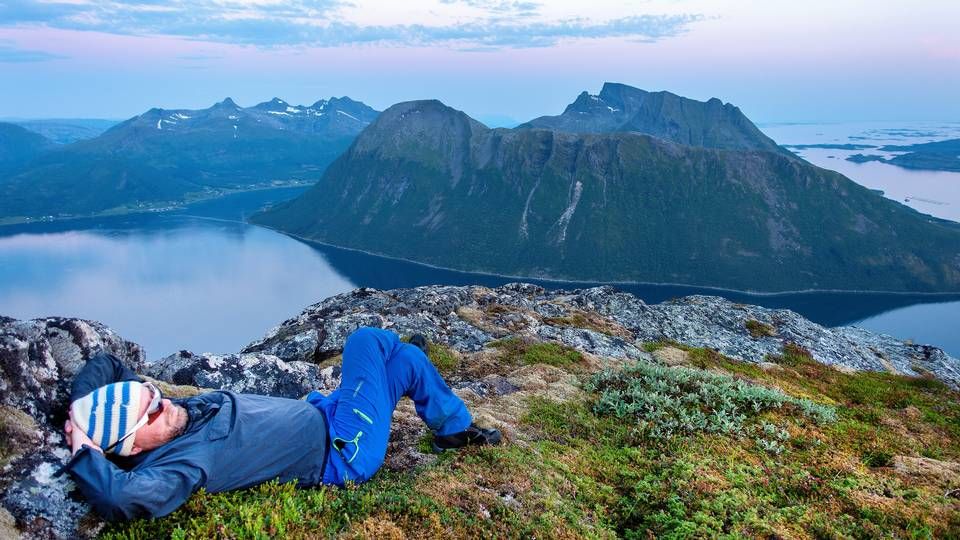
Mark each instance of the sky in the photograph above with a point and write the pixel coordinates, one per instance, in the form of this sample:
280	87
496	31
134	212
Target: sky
778	60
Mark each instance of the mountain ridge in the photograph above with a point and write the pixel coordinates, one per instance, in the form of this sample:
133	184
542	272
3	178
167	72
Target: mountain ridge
619	107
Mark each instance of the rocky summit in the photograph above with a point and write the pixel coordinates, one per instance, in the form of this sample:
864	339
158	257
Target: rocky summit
477	335
619	107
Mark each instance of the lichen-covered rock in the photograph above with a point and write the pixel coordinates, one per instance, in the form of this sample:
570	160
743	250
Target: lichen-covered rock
38	360
599	320
717	323
251	373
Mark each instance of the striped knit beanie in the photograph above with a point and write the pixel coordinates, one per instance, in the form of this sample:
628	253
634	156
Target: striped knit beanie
108	413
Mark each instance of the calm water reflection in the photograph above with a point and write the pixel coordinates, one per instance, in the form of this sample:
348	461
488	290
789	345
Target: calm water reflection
932	192
203	280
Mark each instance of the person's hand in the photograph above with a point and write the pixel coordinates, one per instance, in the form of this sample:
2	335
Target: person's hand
77	437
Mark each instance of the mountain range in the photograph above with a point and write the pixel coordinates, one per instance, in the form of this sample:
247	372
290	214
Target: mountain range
703	198
67	130
166	156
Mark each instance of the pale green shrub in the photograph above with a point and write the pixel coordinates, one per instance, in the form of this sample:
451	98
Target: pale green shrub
668	401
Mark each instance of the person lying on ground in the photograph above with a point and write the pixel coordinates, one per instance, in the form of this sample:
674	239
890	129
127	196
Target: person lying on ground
137	454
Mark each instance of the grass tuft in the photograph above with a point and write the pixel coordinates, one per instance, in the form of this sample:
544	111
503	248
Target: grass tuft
527	352
758	329
442	357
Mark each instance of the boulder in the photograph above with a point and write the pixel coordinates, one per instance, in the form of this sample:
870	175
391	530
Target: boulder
38	360
250	373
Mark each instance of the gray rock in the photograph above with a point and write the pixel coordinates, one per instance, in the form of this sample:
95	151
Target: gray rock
591	341
38	360
251	373
699	321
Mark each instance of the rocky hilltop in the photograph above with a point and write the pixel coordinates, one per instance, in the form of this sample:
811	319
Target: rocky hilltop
427	183
502	349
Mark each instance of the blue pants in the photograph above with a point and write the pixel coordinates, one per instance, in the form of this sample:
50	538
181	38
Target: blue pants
378	369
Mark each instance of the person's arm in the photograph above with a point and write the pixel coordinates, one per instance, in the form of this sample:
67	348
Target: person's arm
100	370
117	494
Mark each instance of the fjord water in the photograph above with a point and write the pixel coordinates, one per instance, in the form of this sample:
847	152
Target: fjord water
202	279
931	192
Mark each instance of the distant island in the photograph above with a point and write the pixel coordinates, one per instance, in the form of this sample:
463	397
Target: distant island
831	146
865	158
933	156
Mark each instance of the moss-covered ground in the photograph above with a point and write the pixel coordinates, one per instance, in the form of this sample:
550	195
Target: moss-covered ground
797	450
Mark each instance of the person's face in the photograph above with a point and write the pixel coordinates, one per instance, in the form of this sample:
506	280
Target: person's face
161	426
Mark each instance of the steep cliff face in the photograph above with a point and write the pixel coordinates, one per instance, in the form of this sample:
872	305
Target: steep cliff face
509	352
427	183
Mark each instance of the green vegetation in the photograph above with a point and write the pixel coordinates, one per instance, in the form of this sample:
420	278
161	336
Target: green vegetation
665	401
443	358
595	466
529	352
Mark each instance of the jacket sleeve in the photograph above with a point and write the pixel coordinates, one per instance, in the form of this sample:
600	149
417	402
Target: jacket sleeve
117	494
101	369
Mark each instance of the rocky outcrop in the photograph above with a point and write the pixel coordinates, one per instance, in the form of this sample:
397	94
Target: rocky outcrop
600	320
39	358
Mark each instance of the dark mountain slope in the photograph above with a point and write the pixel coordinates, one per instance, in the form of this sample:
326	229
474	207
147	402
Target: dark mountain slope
18	146
428	183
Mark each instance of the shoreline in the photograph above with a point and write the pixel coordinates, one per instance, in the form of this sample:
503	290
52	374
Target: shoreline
172	206
612	283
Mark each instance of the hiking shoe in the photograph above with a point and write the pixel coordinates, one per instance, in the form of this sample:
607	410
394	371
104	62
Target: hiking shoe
420	342
472	435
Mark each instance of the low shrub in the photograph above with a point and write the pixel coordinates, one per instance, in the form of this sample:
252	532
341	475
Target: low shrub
670	401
